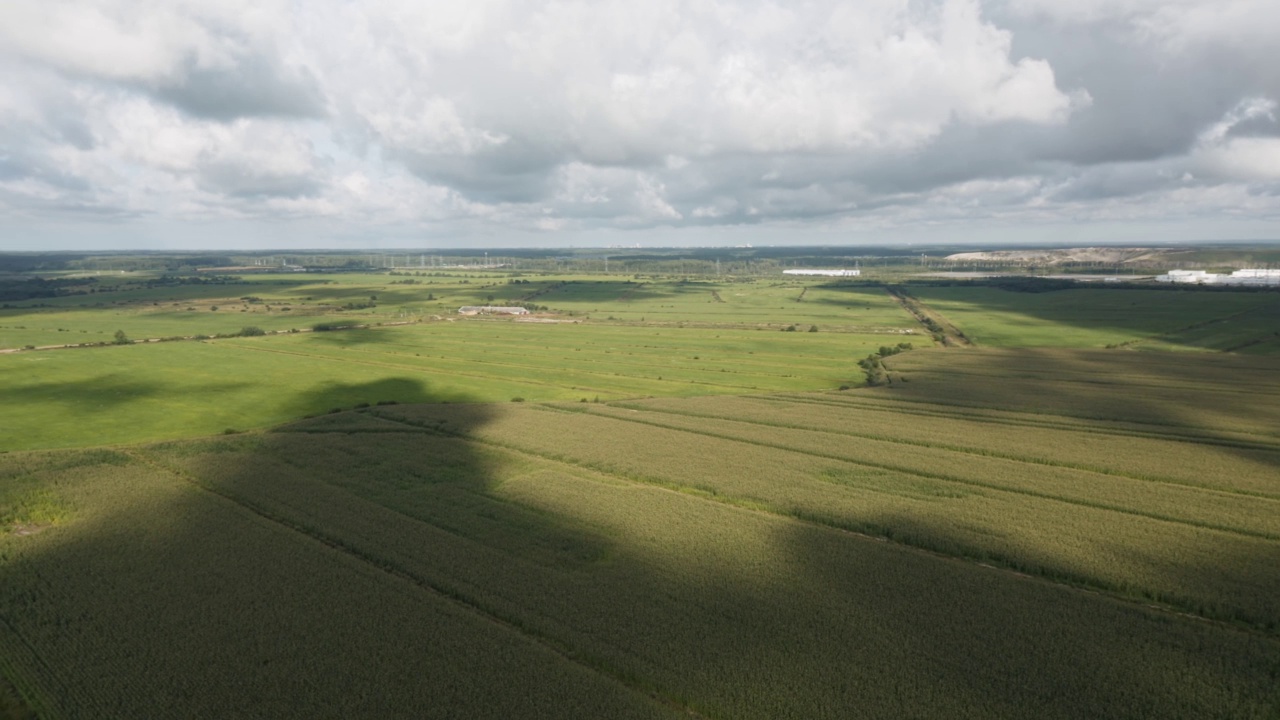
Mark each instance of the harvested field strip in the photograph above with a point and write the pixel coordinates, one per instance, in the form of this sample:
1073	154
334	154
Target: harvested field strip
458	597
1196	506
1160	458
928	510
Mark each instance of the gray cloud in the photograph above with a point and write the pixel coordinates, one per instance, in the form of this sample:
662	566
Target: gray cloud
496	118
254	87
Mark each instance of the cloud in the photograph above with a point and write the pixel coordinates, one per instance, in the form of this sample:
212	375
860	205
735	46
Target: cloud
495	117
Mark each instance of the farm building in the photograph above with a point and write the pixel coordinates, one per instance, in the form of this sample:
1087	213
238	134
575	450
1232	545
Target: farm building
1249	276
823	272
491	310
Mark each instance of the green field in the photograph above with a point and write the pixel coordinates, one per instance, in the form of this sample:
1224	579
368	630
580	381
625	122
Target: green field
1099	317
685	515
722	556
604	340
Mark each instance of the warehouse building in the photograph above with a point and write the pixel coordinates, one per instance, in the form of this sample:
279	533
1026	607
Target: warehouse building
1250	276
491	310
822	272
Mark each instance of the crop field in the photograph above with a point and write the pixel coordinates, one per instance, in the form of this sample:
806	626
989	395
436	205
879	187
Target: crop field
1097	317
656	497
789	555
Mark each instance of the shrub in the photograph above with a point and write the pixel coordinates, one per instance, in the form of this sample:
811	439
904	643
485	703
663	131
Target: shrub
251	331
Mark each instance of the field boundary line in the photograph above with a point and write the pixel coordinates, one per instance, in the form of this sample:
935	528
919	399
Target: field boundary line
1066	423
965	450
1065	377
983	413
631	405
933	321
12	673
870	532
457	598
935	476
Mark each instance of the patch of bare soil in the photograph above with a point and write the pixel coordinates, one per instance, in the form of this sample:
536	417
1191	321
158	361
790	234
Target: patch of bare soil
1109	255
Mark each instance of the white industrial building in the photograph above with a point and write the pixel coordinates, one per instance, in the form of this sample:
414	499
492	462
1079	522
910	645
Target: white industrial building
1250	276
491	310
822	272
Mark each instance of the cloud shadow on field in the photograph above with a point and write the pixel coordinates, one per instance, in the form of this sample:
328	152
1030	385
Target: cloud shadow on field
98	394
399	561
348	337
1189	317
1231	401
331	395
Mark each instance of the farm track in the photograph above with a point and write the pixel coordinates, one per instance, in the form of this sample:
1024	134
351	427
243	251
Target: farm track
1008	565
928	317
437	590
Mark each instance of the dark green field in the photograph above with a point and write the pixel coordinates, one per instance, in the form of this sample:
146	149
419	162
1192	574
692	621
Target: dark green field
684	517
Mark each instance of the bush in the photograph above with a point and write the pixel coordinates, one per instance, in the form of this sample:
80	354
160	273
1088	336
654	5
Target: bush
517	399
121	338
252	331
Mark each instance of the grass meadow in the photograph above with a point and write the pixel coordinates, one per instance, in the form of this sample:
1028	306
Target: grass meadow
684	514
601	340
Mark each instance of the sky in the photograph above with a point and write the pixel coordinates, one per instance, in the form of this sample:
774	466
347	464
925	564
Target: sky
141	124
